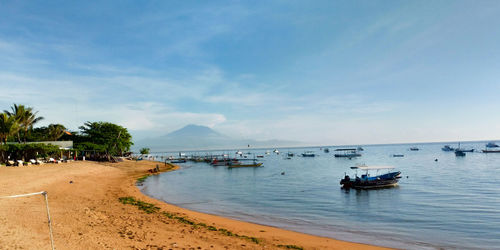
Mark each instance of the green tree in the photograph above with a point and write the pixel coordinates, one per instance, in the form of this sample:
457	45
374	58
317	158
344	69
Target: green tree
55	131
144	151
8	126
26	118
113	139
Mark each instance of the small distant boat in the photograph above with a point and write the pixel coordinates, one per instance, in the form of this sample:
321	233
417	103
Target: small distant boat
326	150
459	153
290	154
414	149
268	152
239	152
447	148
276	151
223	162
347	152
490	151
360	149
308	154
260	156
178	161
396	155
241	165
491	145
368	182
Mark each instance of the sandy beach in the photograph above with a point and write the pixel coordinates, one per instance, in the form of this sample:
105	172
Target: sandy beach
87	214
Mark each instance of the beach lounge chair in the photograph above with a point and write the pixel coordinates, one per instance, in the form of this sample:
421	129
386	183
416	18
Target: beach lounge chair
11	163
19	163
33	161
39	162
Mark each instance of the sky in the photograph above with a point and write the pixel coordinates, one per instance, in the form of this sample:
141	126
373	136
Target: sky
319	72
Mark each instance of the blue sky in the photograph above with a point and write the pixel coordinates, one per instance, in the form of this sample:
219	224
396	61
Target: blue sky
321	72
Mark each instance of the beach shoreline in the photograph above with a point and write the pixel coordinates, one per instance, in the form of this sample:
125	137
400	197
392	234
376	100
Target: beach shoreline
89	211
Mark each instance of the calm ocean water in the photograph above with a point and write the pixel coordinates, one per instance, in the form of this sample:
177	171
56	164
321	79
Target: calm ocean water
451	203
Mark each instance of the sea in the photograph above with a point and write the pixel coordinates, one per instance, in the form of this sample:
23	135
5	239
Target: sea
442	201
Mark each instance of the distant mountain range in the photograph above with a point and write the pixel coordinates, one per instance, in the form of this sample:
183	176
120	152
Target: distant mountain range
195	137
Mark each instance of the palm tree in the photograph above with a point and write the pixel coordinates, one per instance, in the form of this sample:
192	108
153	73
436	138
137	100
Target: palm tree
18	112
55	131
8	126
26	118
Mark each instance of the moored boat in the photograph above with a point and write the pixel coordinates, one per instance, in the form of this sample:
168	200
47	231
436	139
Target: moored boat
178	161
447	148
308	154
326	150
490	151
414	149
347	152
366	181
242	165
491	145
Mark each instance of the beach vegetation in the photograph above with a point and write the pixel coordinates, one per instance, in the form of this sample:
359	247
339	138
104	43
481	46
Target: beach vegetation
142	179
144	151
8	127
291	247
151	208
26	118
104	138
95	140
144	206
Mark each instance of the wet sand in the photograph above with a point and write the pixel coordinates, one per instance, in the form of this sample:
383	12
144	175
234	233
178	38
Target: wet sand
87	214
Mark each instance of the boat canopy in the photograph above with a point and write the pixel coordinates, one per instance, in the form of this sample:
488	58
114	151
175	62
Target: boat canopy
345	149
372	167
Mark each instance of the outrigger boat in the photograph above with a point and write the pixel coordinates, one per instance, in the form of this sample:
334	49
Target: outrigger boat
308	154
347	152
367	182
241	165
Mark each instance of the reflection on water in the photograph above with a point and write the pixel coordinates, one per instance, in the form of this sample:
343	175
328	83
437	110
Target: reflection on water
451	203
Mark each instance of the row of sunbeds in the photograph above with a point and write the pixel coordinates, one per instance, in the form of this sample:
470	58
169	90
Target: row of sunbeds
18	163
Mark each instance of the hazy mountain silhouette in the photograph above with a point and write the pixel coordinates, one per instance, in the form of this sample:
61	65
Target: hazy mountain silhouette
195	137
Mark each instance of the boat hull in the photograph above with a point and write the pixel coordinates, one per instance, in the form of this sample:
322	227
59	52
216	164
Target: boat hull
245	165
347	155
381	181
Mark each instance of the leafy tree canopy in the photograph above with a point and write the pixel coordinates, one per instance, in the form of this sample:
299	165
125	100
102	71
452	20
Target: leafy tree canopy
111	138
144	151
